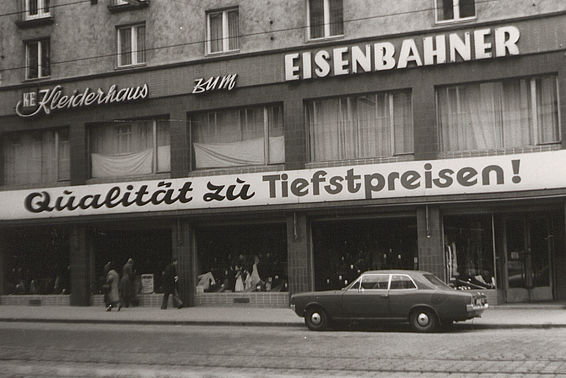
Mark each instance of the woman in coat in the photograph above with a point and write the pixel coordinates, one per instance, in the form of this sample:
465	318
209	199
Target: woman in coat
126	284
112	279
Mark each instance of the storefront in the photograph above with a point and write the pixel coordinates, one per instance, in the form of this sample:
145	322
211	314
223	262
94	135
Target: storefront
325	163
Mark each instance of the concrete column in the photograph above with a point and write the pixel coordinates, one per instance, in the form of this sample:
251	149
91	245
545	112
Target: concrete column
184	250
299	260
295	146
425	125
80	266
3	267
431	250
79	153
180	144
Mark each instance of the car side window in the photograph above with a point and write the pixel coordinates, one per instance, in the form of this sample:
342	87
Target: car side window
402	282
375	281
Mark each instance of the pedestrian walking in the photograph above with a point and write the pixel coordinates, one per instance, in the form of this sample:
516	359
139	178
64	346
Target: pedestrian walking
126	284
111	296
170	279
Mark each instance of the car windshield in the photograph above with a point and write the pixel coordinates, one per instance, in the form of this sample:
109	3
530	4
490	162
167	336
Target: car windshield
437	282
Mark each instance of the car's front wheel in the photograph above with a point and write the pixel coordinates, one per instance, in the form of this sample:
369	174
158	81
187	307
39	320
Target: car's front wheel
316	319
423	320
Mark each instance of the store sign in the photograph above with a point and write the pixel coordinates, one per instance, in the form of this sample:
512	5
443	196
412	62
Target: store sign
44	101
382	56
492	174
226	82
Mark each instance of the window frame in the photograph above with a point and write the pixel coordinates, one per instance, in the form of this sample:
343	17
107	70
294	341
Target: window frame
390	98
40	66
225	31
41	13
327	22
124	128
57	140
456	10
533	126
266	134
134	45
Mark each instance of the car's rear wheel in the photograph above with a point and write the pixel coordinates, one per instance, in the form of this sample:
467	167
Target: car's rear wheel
423	320
316	319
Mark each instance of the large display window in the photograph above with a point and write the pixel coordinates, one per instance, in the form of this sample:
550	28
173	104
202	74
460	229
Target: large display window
343	250
37	261
150	250
469	251
242	258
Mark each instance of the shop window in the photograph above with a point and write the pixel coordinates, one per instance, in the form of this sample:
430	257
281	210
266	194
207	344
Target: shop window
131	45
38	157
127	148
325	18
365	126
344	250
469	254
223	31
455	10
501	114
149	249
251	258
38	59
35	9
238	137
38	264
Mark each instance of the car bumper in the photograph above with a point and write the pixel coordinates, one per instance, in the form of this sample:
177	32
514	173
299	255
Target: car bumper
476	310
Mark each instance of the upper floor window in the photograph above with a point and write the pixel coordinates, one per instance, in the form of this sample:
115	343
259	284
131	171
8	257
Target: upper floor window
363	126
499	114
455	10
223	31
38	157
129	148
325	18
37	59
131	45
34	9
238	137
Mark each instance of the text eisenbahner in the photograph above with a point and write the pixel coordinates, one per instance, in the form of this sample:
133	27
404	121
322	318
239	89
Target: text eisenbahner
380	56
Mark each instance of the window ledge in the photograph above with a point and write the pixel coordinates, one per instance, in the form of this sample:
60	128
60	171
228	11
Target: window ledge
236	170
120	179
40	21
35	79
36	186
455	21
220	53
325	39
116	8
130	66
361	161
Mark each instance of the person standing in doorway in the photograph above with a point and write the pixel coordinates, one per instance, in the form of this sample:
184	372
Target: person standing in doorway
112	297
170	279
126	284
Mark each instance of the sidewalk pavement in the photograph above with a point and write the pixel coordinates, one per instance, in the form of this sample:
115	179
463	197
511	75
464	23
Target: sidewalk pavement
505	316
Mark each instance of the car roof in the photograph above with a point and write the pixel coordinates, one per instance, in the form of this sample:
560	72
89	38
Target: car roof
396	271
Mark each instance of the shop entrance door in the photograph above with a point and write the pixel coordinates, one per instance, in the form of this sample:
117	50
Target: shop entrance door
528	244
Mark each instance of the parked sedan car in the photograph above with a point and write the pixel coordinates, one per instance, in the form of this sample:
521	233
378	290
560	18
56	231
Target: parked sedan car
417	297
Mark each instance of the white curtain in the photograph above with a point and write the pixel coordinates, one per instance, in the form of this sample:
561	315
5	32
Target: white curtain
215	25
122	164
498	114
233	30
32	158
237	137
360	127
122	149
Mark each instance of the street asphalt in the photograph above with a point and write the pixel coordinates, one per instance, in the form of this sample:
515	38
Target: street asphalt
505	316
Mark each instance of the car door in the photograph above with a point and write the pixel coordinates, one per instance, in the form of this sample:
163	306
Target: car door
368	298
403	294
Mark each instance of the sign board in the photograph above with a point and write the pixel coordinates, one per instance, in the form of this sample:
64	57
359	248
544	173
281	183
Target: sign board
488	174
147	283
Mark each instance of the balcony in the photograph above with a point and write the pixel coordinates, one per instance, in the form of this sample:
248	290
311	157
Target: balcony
115	6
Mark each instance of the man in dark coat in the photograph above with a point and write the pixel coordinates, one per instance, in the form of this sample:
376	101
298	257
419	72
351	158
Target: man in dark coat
170	279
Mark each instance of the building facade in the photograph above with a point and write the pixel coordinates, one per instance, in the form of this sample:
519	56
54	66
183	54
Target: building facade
279	147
